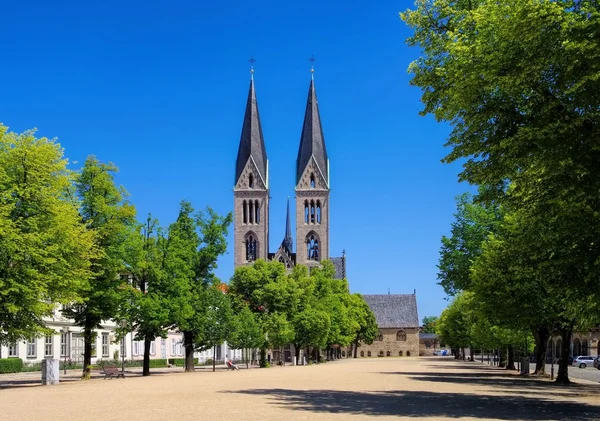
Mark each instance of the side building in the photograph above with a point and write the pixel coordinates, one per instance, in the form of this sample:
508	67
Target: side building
398	323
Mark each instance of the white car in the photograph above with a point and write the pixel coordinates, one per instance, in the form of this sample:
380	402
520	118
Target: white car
583	361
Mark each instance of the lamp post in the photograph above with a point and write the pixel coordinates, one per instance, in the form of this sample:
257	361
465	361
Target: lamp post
65	331
123	345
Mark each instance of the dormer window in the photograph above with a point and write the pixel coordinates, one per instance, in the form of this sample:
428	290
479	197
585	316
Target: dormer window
312	181
250	181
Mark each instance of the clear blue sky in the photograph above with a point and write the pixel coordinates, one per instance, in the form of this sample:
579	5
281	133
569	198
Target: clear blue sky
159	88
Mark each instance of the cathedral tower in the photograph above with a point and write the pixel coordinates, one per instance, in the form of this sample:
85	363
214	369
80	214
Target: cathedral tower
251	189
312	188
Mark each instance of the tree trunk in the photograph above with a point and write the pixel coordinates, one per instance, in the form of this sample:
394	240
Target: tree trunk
471	354
247	358
188	342
563	366
297	352
88	337
146	369
356	347
502	359
541	336
263	357
511	359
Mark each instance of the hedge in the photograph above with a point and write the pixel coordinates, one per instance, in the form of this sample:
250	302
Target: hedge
158	363
180	362
11	365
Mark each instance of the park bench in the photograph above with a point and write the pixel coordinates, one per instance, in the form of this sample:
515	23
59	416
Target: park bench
110	371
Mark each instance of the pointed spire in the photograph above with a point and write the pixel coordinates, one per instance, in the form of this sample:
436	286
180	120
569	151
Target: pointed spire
252	144
288	241
312	142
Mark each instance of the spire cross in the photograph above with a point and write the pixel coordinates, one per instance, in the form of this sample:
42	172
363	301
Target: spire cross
312	60
252	61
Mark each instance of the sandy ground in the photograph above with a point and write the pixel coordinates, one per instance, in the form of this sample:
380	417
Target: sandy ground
387	388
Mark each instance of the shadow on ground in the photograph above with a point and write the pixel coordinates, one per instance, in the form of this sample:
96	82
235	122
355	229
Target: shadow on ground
426	404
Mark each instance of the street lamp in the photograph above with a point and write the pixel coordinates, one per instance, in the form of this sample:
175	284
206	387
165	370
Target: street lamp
65	331
123	326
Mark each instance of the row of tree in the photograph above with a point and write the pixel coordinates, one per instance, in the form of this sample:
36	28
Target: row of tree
518	83
72	238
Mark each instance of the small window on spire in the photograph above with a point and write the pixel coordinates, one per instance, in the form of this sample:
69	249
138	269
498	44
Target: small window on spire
312	180
250	181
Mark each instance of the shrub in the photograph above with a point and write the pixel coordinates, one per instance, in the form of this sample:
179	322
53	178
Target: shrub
31	367
11	365
158	363
180	362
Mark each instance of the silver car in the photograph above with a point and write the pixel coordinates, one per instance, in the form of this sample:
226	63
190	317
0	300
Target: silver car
583	361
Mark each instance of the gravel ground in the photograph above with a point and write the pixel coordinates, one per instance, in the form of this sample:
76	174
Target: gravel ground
389	388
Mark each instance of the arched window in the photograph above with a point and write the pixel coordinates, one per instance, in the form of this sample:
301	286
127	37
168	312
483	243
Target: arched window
306	211
400	336
312	211
312	180
245	211
318	211
251	211
251	181
427	344
312	248
368	353
388	354
257	212
380	353
250	249
362	353
408	353
399	353
379	337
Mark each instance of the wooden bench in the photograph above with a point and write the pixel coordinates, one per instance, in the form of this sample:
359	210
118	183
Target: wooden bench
110	371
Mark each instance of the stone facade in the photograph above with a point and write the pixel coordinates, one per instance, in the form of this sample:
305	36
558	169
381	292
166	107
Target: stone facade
391	343
429	343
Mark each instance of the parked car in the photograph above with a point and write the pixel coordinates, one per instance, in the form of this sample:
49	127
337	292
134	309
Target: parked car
583	361
597	363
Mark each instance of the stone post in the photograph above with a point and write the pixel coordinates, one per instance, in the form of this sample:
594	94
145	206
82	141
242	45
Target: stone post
50	372
295	361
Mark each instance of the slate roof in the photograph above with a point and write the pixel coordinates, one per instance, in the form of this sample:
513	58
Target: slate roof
312	142
252	143
340	267
427	335
394	310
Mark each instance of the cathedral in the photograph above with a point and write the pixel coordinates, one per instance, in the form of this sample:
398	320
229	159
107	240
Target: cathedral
251	194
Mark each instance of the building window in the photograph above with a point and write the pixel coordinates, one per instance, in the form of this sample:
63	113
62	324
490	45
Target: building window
312	180
306	211
389	354
63	344
362	353
400	336
105	345
380	353
408	353
251	211
368	353
312	211
123	348
245	211
427	344
31	348
399	353
250	248
312	248
257	212
379	337
318	211
173	347
152	348
136	348
13	350
251	181
48	342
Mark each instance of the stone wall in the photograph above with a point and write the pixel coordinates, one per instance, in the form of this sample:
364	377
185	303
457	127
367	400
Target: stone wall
390	346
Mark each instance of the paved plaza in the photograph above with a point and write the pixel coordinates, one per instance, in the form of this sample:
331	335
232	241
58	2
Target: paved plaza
387	388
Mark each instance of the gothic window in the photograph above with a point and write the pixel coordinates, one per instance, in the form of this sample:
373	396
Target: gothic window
399	353
379	337
257	212
251	211
306	211
251	181
250	248
380	353
312	212
281	259
362	353
408	353
389	354
312	181
427	344
312	248
400	336
318	211
245	211
368	353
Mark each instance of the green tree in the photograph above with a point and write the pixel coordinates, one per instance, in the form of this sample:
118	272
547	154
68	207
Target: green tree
106	212
367	324
429	323
311	328
247	333
45	249
217	320
279	330
455	323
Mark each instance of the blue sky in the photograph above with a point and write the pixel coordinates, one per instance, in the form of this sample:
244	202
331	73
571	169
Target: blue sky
159	88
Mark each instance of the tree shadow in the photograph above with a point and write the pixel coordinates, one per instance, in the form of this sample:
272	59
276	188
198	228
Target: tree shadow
426	404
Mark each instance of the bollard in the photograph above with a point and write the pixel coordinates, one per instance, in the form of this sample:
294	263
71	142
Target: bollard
50	372
294	362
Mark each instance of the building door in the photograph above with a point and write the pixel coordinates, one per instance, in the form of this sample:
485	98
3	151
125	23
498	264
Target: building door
77	347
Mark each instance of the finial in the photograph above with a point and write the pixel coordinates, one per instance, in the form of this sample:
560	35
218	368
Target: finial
312	60
252	61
